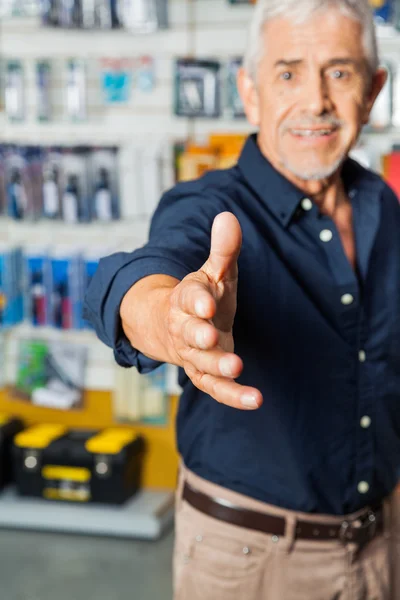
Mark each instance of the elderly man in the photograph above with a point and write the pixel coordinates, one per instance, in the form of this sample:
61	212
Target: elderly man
275	287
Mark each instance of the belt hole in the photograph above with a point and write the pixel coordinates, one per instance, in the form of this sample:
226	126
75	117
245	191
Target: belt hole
316	532
332	532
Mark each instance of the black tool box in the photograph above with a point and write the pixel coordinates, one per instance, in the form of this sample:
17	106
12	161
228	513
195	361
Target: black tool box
9	427
53	462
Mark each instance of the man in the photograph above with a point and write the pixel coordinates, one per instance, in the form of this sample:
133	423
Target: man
288	343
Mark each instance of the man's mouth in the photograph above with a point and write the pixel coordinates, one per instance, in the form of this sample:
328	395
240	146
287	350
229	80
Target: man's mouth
308	133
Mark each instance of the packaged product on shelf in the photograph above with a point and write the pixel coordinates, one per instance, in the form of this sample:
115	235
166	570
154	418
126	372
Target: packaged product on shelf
197	88
97	14
18	8
3	191
50	373
14	90
34	159
383	10
381	114
116	80
391	169
66	297
11	286
145	74
228	147
69	13
104	176
234	102
195	161
50	13
78	466
142	398
43	90
143	16
38	285
18	186
75	204
52	183
75	94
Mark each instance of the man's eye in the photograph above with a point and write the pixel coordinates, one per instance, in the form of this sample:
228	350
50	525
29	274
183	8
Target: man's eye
339	74
286	76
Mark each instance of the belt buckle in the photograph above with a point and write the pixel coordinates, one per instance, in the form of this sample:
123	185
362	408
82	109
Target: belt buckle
345	526
370	525
367	530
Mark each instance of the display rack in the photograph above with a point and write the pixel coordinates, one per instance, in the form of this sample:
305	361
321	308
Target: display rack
200	28
147	516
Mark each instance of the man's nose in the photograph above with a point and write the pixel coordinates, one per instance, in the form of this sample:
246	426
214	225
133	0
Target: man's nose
316	95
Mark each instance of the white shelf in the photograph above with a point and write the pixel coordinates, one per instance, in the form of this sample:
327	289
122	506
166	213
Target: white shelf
125	234
147	516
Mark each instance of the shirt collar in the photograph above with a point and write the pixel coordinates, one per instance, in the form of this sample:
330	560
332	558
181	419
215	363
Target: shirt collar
280	195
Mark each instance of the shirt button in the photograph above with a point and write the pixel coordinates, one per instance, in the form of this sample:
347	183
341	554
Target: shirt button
362	357
326	235
306	204
347	299
363	487
365	422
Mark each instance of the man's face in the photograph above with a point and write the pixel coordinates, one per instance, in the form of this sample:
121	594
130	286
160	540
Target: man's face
312	94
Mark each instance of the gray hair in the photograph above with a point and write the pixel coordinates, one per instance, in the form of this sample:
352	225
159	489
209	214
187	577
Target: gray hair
300	11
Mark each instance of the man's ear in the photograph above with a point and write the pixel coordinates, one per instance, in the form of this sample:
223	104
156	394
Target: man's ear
249	95
377	83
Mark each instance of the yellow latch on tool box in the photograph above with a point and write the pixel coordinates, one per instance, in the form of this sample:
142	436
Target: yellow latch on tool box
109	441
39	436
59	473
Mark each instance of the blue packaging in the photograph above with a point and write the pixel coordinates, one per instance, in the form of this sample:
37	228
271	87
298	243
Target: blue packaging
66	289
37	289
91	259
3	192
11	296
383	10
17	184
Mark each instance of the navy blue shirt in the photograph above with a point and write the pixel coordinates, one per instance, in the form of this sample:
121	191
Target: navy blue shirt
320	340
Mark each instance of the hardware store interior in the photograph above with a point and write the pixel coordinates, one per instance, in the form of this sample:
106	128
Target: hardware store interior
101	111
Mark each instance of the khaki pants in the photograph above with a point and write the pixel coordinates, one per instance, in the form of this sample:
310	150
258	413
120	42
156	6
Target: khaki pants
214	560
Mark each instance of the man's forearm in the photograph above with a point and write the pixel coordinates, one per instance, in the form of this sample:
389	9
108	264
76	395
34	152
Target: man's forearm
144	315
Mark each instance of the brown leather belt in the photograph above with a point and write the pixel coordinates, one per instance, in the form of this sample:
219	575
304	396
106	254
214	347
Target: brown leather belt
359	531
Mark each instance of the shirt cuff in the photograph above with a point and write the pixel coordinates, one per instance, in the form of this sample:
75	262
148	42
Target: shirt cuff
125	355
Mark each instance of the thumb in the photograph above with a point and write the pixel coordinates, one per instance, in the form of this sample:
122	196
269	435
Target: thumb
226	242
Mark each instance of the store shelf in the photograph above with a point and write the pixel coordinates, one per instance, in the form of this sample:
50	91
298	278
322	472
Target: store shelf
147	516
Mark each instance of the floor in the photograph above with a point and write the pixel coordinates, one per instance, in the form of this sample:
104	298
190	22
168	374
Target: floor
42	566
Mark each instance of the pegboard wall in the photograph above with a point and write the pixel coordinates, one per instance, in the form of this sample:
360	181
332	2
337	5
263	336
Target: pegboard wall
144	129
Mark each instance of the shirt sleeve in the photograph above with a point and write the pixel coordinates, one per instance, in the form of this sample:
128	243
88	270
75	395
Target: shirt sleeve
179	243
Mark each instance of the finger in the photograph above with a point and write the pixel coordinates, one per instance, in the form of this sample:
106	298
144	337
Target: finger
198	333
226	243
214	362
226	392
195	298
